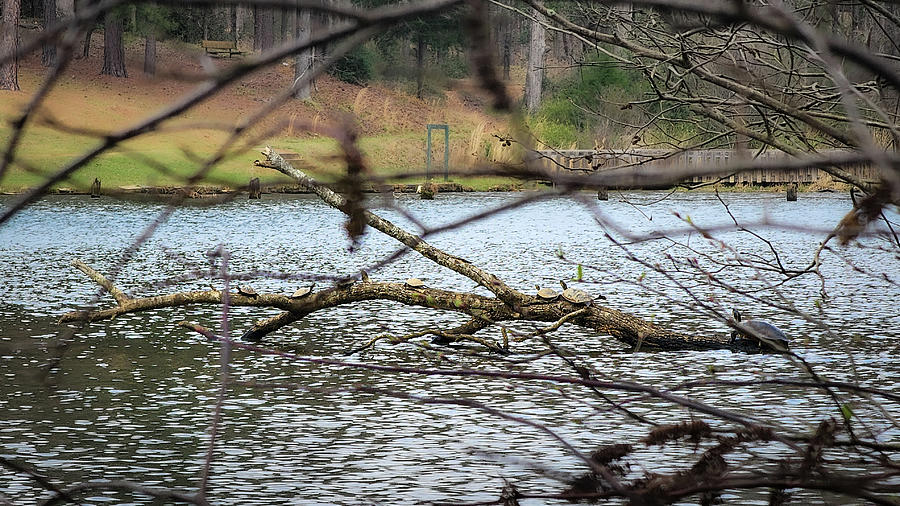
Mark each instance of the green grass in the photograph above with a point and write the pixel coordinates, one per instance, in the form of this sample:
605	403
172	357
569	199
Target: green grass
46	151
140	163
156	161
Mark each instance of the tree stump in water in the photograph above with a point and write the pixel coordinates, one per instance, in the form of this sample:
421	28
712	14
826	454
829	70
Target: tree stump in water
427	191
95	189
255	192
603	193
792	192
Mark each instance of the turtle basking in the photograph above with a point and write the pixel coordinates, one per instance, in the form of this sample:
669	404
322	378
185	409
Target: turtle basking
773	336
303	292
345	283
247	291
576	296
415	283
547	294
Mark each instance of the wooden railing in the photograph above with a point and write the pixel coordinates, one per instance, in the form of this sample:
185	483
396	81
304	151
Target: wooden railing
588	161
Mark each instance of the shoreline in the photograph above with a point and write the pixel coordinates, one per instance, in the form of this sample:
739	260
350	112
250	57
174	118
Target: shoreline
200	191
207	191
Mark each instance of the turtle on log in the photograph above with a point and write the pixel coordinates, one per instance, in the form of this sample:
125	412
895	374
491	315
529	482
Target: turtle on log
247	291
415	283
547	294
303	292
777	340
576	296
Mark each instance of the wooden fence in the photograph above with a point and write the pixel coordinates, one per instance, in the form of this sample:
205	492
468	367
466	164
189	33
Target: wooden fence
588	161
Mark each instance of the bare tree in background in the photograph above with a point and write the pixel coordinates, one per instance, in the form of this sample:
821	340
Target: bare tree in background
48	56
303	60
9	60
263	28
65	8
80	6
150	54
113	46
534	73
241	12
421	49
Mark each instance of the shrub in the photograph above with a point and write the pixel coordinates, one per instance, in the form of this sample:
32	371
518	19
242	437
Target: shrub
560	109
454	66
556	135
355	67
566	114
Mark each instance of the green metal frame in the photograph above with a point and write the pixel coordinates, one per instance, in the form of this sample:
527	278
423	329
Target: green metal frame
446	130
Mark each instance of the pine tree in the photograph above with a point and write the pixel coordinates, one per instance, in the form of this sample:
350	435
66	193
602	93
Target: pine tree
9	31
48	55
113	45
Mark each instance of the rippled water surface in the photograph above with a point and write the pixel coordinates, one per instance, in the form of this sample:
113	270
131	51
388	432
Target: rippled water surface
132	398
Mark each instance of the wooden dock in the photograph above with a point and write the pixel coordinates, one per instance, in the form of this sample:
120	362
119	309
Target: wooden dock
588	161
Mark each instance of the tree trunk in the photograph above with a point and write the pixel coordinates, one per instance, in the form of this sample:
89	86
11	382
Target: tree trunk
507	304
507	42
65	8
420	65
287	24
263	28
89	29
292	23
240	21
256	28
534	74
113	47
48	55
205	18
86	45
267	29
322	21
303	60
150	55
9	36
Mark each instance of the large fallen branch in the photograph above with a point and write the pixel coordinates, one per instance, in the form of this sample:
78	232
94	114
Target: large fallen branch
507	305
414	242
628	329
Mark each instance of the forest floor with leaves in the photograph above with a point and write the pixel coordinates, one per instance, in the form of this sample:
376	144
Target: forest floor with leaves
84	106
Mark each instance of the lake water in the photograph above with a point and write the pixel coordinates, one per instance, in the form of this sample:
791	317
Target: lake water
132	398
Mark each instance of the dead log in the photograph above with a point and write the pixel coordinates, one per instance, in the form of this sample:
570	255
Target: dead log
456	264
487	310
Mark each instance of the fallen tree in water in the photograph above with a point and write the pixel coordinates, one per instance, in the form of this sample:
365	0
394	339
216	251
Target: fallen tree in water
764	428
506	304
